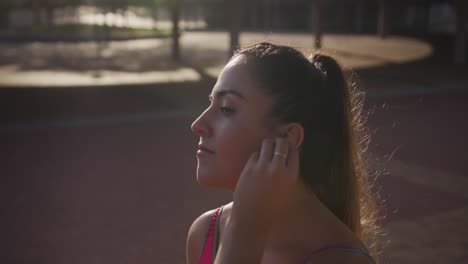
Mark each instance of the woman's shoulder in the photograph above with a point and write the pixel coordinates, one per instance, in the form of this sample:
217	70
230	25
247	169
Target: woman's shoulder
202	221
197	232
200	225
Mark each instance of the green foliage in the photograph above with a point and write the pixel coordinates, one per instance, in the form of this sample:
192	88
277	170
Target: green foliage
13	4
154	3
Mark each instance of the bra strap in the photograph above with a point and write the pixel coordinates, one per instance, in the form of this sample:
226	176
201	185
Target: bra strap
216	231
207	252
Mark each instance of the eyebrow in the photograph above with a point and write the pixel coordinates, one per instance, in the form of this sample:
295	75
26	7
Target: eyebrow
222	93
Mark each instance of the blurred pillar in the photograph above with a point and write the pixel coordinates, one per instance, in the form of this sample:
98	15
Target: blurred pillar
317	22
49	13
154	15
36	10
234	11
4	16
266	14
276	15
254	15
382	23
461	10
174	9
359	16
427	10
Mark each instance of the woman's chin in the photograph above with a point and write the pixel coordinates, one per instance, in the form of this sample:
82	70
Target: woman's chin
208	182
212	181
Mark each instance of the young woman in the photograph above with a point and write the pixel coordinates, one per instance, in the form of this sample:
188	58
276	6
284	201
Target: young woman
283	133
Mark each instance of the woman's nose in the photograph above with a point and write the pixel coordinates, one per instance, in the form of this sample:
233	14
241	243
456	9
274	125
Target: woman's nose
199	126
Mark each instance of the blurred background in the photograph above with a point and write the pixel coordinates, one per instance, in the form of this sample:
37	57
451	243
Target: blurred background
97	160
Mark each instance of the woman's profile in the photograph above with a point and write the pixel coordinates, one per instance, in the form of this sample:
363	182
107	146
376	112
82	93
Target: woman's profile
284	134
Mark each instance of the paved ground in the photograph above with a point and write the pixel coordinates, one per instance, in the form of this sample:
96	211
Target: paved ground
147	61
106	175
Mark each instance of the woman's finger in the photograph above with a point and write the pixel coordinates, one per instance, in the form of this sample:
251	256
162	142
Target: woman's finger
250	164
266	152
253	159
280	154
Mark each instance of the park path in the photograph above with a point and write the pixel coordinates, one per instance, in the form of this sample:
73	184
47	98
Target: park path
126	191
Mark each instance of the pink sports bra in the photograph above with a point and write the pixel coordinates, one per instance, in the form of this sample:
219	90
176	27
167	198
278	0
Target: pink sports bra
210	247
211	239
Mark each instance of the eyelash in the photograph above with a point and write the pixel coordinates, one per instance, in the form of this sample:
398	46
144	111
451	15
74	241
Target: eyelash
226	110
223	109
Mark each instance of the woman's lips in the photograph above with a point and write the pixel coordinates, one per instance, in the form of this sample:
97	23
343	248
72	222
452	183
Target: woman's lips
204	150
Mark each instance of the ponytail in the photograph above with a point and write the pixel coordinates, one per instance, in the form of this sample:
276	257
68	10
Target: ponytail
352	201
316	93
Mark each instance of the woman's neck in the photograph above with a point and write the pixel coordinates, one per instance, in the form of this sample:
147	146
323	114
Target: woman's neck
307	224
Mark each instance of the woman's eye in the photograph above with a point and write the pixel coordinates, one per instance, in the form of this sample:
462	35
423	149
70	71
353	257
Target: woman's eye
226	110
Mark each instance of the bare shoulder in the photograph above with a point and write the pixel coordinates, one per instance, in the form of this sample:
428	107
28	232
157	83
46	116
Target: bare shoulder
339	257
224	217
196	236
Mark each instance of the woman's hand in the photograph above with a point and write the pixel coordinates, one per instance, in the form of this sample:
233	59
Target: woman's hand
261	193
265	184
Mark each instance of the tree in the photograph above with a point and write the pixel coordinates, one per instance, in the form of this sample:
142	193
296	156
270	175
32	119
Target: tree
50	6
461	9
382	20
40	7
174	7
6	6
234	10
316	11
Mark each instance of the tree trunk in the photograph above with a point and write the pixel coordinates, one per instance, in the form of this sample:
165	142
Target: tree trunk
276	14
460	45
266	15
154	15
4	18
359	16
382	27
317	22
36	10
49	16
175	18
427	9
235	17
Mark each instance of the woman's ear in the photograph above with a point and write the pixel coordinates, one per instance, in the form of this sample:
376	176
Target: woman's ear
295	134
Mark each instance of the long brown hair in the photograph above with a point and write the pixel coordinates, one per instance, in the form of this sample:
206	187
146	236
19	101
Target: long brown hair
317	93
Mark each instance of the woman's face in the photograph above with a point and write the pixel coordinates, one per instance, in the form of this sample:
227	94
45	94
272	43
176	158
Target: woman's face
232	127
